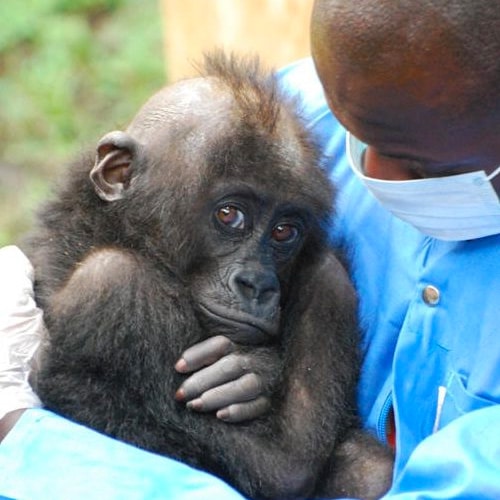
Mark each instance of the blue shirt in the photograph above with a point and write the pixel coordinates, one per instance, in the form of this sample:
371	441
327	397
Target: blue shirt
430	311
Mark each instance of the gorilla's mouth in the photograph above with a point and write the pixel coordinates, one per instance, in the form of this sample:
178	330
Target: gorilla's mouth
239	325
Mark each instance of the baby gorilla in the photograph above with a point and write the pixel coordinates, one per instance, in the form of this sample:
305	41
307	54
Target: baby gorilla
207	217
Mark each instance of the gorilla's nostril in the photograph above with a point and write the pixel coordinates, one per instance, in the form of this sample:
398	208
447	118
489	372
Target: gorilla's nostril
251	284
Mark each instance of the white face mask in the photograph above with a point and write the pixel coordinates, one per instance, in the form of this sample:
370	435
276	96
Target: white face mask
456	208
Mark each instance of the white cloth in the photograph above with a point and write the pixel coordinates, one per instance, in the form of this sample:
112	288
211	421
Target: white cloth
21	330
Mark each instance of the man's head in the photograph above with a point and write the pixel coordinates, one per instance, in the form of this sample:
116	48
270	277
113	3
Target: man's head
417	80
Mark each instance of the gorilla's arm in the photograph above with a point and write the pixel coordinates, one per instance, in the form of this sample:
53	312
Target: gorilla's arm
287	455
116	326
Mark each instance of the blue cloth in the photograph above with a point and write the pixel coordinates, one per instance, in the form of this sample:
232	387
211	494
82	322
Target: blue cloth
46	457
437	365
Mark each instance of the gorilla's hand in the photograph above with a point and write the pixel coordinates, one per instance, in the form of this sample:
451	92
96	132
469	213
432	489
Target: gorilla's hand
236	384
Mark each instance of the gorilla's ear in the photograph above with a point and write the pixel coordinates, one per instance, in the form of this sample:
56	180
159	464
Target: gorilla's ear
112	170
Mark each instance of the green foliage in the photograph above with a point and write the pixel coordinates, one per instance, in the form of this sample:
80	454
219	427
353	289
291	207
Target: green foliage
70	70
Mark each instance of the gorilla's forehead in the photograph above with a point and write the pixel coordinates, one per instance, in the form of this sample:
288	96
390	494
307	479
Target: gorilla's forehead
203	120
180	108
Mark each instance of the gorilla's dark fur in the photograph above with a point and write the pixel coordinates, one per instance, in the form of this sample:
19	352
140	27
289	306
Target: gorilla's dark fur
207	216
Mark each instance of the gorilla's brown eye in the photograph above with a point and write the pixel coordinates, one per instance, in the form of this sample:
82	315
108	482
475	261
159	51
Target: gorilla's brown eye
231	216
284	233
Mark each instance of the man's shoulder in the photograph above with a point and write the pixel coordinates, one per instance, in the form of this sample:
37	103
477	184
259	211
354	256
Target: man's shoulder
300	75
300	79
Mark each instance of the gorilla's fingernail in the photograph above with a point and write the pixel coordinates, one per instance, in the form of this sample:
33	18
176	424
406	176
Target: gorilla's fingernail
223	414
181	366
180	395
195	404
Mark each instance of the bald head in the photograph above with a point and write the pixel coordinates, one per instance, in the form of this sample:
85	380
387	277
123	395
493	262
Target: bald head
443	51
175	104
229	91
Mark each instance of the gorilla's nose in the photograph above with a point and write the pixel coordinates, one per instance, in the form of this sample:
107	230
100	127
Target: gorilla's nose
255	287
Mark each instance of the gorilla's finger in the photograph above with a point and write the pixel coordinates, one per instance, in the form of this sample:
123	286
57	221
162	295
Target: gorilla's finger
203	354
228	368
245	411
245	388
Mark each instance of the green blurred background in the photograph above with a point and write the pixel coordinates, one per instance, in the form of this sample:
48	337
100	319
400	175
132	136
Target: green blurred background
70	71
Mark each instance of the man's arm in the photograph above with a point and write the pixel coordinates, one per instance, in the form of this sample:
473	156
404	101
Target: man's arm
462	460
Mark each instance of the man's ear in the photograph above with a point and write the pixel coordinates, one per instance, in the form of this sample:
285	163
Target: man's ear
112	171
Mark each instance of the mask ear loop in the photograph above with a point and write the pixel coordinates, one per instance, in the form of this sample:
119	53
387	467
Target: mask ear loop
493	174
355	150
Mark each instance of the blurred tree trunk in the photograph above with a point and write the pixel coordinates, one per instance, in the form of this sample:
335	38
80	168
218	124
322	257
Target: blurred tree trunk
277	30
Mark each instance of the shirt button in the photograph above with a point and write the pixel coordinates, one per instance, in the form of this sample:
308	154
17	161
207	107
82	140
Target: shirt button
431	295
